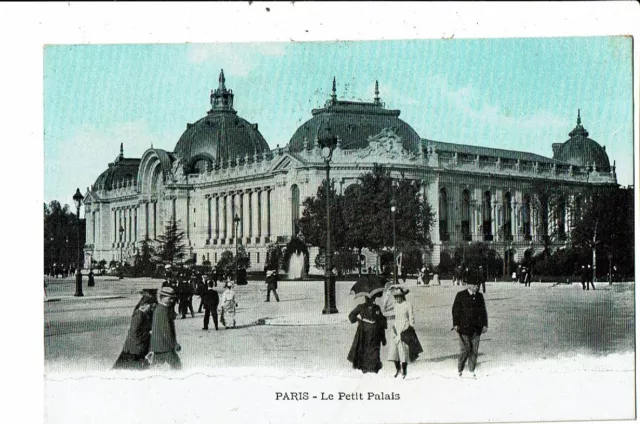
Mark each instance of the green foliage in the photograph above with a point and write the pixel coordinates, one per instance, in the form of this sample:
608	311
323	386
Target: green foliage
274	259
226	263
562	262
345	261
313	222
243	258
144	263
412	259
171	247
477	254
61	231
446	265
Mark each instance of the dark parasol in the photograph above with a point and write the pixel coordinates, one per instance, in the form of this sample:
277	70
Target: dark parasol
368	285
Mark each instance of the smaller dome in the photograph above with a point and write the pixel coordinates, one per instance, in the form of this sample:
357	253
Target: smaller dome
580	150
122	172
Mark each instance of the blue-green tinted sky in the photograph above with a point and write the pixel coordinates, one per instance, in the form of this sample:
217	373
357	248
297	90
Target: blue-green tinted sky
520	94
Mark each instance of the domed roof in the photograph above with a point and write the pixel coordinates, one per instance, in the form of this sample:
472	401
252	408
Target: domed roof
580	150
122	171
221	135
353	123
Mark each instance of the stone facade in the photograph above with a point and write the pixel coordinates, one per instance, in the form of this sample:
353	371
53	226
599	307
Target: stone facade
477	193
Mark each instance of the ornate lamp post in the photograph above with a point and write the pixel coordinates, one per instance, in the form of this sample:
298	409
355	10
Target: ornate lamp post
120	272
328	145
236	222
393	218
77	199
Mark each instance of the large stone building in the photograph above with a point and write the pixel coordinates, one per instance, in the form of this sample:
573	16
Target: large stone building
223	166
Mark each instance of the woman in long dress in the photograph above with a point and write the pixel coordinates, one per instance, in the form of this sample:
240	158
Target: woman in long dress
228	309
136	345
365	349
405	346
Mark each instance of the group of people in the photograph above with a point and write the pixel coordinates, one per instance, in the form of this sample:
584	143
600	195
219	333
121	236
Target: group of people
469	315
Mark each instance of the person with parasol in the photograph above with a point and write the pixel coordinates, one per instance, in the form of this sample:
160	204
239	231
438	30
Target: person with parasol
136	345
405	346
365	349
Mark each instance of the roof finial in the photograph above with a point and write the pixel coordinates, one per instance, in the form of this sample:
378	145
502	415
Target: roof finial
221	80
376	99
579	120
121	149
334	97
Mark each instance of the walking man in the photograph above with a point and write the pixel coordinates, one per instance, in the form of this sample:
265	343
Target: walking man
469	321
272	284
211	300
590	277
164	345
482	278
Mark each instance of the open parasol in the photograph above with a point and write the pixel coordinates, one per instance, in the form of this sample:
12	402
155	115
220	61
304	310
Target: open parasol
368	285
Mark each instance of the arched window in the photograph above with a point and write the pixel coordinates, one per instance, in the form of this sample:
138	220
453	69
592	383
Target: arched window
443	213
486	216
201	166
506	210
295	209
466	216
526	216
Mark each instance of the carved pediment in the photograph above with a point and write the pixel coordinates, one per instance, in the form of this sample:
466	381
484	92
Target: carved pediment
386	144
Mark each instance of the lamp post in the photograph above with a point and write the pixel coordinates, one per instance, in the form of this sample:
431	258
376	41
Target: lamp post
393	219
329	279
77	199
120	272
236	222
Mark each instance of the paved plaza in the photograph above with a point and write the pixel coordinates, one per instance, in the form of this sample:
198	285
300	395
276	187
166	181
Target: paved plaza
554	347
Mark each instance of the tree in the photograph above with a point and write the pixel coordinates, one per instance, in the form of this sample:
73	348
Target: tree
144	259
226	264
243	258
313	222
274	257
171	247
607	226
61	242
477	254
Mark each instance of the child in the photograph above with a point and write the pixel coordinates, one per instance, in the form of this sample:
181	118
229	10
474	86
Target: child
228	302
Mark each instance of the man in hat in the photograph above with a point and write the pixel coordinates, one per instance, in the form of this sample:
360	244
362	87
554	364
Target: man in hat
272	284
211	300
163	331
482	278
469	321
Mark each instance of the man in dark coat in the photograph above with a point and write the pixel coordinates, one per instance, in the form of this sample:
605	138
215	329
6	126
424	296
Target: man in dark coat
590	277
469	321
211	300
186	294
200	289
164	344
91	281
272	284
482	278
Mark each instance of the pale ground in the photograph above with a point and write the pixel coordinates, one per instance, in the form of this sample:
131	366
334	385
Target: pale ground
551	353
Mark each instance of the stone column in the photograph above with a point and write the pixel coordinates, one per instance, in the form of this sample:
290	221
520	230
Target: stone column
255	215
229	216
246	215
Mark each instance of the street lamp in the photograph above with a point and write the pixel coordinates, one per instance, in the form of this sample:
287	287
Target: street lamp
328	144
236	221
120	271
393	216
77	199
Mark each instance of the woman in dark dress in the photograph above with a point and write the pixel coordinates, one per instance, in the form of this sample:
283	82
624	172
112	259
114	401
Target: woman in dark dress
136	346
365	350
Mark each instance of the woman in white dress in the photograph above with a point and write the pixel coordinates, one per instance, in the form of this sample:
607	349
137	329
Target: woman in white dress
401	352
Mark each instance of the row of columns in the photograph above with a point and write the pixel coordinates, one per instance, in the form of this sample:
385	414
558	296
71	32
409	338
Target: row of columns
253	207
125	217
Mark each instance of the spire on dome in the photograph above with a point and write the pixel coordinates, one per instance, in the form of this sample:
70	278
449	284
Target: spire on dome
579	130
221	81
221	98
334	97
376	99
122	149
579	120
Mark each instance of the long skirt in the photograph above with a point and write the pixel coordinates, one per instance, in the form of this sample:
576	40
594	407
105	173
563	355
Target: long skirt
128	361
398	351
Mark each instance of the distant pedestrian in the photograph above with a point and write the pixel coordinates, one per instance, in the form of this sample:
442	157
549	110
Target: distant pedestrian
185	294
136	345
91	281
583	276
590	277
514	277
272	284
229	304
421	273
365	349
164	343
526	276
211	300
405	346
482	276
201	288
470	321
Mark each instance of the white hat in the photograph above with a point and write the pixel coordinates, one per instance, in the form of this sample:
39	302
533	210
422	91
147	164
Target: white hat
168	266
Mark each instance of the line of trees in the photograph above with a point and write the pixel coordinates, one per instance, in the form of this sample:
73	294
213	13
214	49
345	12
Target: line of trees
61	241
362	218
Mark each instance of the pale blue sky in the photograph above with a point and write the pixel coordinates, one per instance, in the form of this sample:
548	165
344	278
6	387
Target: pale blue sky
520	94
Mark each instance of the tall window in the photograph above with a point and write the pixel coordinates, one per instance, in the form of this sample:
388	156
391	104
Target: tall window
295	209
209	218
506	208
577	210
526	216
486	216
560	218
443	212
466	216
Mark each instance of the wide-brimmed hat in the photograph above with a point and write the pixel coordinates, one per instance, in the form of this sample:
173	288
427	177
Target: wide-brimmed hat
167	266
270	273
397	290
168	292
228	284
